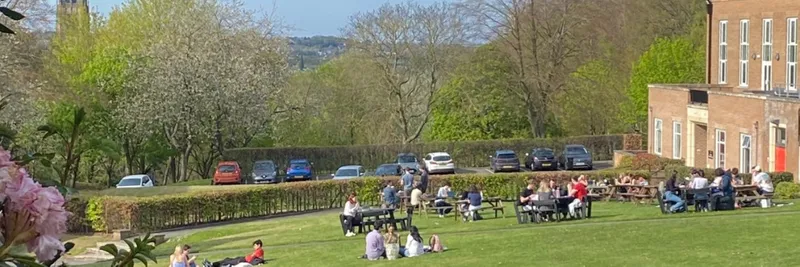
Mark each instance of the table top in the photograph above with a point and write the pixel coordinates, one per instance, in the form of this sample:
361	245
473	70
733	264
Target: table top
375	211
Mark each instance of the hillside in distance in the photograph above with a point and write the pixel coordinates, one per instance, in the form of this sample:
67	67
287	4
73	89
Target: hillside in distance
310	52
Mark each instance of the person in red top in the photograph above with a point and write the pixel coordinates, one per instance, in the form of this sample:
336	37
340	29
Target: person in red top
578	192
257	257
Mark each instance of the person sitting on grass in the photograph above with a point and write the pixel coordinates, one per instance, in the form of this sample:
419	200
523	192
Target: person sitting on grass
440	202
189	260
391	243
352	214
474	198
255	258
578	191
178	258
527	196
375	249
414	246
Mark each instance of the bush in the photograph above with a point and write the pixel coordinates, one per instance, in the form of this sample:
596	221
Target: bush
684	171
465	153
164	212
787	190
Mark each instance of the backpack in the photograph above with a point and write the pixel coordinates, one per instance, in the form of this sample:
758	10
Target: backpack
436	244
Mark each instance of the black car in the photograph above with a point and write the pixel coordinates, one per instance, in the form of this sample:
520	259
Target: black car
392	169
504	160
265	172
541	159
575	157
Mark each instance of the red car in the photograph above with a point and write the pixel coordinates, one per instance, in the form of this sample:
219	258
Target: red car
228	172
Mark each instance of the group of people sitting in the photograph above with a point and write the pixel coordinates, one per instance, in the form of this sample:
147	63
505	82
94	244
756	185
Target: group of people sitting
470	199
387	245
576	189
628	179
181	258
721	189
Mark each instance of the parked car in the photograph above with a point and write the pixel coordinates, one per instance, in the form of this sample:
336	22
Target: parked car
265	172
408	160
575	156
228	172
439	162
348	172
299	170
541	159
135	181
504	160
392	169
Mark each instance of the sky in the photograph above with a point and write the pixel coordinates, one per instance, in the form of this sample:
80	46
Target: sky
305	17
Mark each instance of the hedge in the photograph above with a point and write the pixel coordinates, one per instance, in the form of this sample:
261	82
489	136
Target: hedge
165	212
465	153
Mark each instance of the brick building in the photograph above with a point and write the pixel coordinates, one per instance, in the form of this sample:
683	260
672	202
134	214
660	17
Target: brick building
748	113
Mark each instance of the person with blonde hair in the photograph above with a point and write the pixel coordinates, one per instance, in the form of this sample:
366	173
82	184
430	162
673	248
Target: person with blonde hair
177	259
391	243
544	187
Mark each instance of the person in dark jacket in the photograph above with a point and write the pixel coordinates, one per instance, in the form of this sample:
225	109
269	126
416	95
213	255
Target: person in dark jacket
671	192
726	188
423	180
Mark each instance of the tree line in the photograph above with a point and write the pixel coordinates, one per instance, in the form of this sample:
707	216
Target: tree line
165	86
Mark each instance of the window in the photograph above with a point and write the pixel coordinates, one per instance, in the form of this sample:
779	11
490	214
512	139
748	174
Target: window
723	51
791	54
720	159
766	55
676	139
744	51
744	153
657	137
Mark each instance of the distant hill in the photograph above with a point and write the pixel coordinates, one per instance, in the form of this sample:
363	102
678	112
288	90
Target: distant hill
310	52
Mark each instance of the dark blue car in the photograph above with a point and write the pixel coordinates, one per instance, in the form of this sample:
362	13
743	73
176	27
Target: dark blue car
299	170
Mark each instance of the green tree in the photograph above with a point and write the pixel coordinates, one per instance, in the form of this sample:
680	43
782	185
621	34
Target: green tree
669	60
475	104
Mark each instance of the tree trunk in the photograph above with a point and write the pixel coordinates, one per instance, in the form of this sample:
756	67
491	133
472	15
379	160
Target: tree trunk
75	170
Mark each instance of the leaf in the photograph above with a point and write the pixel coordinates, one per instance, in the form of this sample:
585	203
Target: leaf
14	15
48	130
141	258
5	29
111	249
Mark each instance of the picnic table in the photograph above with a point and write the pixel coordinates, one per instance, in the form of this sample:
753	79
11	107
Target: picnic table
635	193
371	215
600	192
495	203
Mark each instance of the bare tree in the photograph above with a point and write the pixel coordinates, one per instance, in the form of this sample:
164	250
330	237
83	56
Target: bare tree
414	48
539	37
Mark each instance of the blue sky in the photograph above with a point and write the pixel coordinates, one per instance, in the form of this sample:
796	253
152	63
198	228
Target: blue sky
307	17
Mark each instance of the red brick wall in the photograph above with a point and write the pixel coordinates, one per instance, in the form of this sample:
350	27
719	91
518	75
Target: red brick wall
669	105
754	10
736	115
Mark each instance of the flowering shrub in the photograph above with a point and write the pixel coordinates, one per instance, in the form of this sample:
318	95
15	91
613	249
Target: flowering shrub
31	214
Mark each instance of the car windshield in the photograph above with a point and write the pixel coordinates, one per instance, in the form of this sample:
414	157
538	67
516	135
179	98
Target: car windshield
543	153
130	182
506	156
576	150
387	170
265	166
347	172
406	159
441	158
298	165
226	168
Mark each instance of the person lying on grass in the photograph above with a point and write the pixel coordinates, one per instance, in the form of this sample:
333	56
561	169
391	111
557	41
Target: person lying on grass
256	258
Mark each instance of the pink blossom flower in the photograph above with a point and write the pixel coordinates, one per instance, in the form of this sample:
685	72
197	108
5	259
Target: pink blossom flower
5	158
50	216
22	192
45	247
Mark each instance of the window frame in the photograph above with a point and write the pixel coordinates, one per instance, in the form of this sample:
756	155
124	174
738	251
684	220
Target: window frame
767	27
744	52
719	158
677	142
658	131
791	49
748	155
723	52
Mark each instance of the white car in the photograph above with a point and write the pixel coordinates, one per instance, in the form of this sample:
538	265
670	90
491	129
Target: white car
439	162
135	181
349	172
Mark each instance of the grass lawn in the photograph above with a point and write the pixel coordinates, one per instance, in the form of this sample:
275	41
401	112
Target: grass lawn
619	234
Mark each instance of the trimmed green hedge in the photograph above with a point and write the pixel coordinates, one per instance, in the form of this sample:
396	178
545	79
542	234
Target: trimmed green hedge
684	171
465	153
164	212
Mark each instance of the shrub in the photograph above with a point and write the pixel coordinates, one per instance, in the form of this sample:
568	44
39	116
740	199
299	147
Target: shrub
787	190
684	171
164	212
465	153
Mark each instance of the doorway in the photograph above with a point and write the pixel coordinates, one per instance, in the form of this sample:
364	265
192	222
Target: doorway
780	149
700	143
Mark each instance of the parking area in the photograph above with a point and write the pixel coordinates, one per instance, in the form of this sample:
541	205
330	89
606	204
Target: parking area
598	165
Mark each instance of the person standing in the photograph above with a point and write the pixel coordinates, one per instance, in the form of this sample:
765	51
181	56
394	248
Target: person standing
423	180
390	199
407	181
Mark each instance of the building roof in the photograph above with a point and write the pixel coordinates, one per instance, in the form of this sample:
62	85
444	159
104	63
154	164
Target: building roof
777	94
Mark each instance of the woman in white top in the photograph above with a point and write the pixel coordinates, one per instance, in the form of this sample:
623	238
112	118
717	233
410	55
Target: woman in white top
440	203
698	182
351	210
414	246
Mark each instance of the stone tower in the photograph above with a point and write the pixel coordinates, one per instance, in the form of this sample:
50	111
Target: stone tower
72	12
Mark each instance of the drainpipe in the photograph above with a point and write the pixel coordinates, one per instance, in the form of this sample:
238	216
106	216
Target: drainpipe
709	18
755	145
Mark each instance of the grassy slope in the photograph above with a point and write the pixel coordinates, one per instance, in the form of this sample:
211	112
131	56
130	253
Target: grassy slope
620	234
